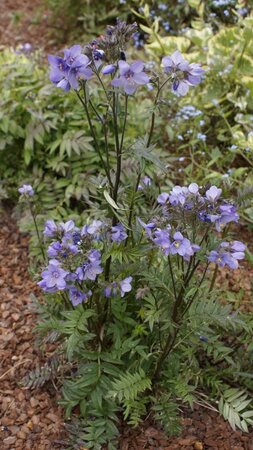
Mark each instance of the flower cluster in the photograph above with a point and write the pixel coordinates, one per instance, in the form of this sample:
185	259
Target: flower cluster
183	74
228	254
26	190
185	208
75	259
107	56
66	71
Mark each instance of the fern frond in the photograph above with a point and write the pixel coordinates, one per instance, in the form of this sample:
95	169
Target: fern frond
129	386
233	406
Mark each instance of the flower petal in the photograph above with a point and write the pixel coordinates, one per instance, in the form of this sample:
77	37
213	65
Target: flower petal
137	66
141	78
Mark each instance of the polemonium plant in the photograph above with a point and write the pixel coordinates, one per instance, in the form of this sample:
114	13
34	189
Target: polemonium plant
134	287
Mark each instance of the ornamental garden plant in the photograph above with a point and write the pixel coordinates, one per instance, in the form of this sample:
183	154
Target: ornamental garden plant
130	295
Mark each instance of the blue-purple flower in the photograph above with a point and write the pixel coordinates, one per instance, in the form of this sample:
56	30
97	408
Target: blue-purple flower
182	246
108	69
131	76
65	72
228	254
50	229
76	296
90	269
26	190
183	73
162	240
125	286
213	194
54	277
93	228
118	233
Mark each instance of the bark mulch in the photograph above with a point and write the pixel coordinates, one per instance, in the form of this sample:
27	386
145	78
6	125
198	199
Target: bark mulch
31	419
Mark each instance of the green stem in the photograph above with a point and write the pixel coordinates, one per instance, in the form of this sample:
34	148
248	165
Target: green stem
213	278
84	103
117	147
37	231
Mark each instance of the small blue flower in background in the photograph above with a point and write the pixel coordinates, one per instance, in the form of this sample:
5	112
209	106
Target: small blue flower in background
145	181
183	73
65	72
125	286
131	76
118	233
201	137
26	190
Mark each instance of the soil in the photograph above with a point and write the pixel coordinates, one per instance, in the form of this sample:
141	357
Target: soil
31	419
25	21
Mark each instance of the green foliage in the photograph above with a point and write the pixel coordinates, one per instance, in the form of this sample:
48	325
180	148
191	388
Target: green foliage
166	412
233	405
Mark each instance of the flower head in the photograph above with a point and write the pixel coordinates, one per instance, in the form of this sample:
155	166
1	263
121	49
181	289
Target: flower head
50	229
118	233
65	72
26	190
228	254
54	277
131	76
76	296
183	73
125	286
213	194
90	269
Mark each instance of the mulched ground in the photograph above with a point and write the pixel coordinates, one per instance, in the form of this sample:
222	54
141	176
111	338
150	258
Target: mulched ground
25	21
31	419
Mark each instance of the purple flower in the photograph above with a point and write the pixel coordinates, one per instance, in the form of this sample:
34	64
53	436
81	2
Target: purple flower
125	286
26	190
178	195
163	198
146	181
50	229
53	277
67	227
180	245
107	70
228	214
213	194
193	188
92	228
65	72
131	75
90	269
77	297
149	227
111	289
54	249
228	254
98	57
162	240
183	73
118	233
